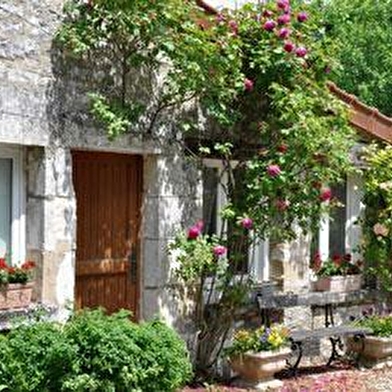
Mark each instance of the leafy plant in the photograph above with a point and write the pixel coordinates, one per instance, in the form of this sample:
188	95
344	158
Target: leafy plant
336	266
261	339
377	221
10	274
380	325
93	352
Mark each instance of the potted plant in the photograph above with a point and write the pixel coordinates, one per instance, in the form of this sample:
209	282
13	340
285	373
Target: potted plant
16	284
257	355
376	346
338	274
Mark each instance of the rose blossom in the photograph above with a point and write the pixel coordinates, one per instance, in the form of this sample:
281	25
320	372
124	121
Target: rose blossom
233	26
269	25
288	46
247	223
302	17
282	148
248	84
273	170
282	4
301	51
282	205
284	33
195	230
380	229
267	13
284	19
219	250
325	194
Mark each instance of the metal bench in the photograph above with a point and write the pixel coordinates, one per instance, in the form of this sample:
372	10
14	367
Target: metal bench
335	335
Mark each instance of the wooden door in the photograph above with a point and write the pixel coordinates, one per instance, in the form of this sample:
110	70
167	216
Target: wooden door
108	196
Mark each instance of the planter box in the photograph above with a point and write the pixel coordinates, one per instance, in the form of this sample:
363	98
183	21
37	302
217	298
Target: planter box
259	367
16	295
338	284
373	347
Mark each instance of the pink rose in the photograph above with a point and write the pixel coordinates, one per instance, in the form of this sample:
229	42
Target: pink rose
233	25
219	250
269	25
380	229
284	19
282	4
302	17
282	205
247	223
283	33
301	51
288	46
325	194
267	13
195	230
273	170
248	84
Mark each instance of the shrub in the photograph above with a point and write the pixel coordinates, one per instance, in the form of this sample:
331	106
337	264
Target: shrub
93	352
380	325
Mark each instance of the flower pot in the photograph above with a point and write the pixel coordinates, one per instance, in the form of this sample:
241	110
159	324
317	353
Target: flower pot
373	348
259	367
338	284
15	295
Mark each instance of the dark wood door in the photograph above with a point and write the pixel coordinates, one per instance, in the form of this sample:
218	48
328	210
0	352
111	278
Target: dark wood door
108	196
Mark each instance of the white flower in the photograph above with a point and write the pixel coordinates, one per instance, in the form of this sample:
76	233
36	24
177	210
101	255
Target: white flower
380	229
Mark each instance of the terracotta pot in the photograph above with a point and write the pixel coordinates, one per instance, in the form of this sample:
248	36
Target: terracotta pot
16	295
372	347
259	367
338	284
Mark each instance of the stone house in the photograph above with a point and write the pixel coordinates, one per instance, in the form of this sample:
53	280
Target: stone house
96	215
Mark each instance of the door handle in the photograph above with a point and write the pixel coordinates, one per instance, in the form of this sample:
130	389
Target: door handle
133	263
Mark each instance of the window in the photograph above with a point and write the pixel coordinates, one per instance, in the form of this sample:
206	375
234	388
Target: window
214	198
340	232
12	220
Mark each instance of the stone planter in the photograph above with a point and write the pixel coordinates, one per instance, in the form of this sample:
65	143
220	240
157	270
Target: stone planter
16	295
338	284
372	348
257	369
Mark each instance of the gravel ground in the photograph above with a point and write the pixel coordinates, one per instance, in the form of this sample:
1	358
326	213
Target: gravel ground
321	379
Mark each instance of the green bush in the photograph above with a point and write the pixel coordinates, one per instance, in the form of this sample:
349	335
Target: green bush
93	352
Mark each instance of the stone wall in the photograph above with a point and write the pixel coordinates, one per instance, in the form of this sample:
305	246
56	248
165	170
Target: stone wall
44	107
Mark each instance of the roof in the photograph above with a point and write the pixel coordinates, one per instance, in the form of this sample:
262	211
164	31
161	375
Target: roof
366	119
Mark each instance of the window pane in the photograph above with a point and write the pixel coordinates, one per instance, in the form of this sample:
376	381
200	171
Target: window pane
5	205
337	225
210	199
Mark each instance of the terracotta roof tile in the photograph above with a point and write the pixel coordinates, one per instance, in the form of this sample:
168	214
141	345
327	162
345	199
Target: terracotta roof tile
364	117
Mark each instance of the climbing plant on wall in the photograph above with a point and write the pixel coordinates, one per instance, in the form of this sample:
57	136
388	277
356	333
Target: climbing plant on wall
377	220
258	75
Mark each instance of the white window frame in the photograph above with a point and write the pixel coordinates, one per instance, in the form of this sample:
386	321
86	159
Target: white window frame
354	210
258	261
18	205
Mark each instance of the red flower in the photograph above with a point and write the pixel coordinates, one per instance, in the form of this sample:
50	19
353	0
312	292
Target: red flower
247	223
233	27
347	257
219	250
282	205
269	25
337	260
283	33
301	51
273	170
28	265
325	194
288	46
11	270
248	84
302	17
282	148
3	264
284	19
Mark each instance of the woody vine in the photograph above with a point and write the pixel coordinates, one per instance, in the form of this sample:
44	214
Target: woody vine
258	74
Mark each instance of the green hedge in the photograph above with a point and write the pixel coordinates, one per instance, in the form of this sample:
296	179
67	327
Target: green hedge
93	352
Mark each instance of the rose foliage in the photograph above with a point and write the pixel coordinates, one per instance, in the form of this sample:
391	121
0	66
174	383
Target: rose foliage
377	220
